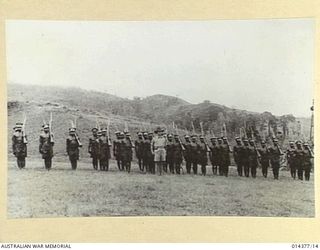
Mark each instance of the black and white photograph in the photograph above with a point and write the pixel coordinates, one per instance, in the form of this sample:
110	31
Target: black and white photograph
160	118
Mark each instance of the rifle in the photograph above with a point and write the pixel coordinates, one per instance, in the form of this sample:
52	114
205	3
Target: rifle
180	143
76	135
24	139
108	133
166	130
254	143
229	147
131	144
310	151
224	129
174	127
279	149
245	129
126	129
205	142
255	148
224	134
97	124
193	129
50	128
143	127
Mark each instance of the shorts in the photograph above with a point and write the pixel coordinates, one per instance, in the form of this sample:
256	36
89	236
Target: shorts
160	155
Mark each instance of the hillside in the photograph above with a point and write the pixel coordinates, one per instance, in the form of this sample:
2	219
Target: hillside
66	104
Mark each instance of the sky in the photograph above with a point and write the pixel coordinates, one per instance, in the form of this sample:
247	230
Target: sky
257	65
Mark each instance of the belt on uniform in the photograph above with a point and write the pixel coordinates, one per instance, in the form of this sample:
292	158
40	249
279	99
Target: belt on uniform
159	147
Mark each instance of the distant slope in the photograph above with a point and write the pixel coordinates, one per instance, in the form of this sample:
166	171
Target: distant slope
139	113
66	104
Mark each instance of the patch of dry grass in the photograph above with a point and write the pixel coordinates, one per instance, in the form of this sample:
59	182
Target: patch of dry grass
35	192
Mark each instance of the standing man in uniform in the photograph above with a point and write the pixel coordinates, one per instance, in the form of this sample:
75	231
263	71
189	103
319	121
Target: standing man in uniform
237	151
220	152
203	157
253	158
121	151
127	152
307	160
214	155
139	147
73	145
94	148
105	155
144	148
187	153
194	148
145	152
264	158
158	148
246	156
46	144
150	154
19	145
299	159
225	157
275	154
170	147
291	159
116	149
178	154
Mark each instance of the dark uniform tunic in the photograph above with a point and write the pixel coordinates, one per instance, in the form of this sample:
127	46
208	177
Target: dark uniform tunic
275	155
203	158
19	149
104	154
307	163
126	154
94	151
237	155
148	156
116	152
225	159
246	160
139	147
120	153
253	161
46	149
299	161
194	156
264	160
291	159
220	158
187	155
177	156
73	150
214	157
170	147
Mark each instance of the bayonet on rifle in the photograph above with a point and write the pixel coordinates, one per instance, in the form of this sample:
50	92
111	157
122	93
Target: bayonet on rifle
74	125
108	133
23	129
205	142
50	128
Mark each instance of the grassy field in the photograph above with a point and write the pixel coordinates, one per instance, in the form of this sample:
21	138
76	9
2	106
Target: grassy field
35	192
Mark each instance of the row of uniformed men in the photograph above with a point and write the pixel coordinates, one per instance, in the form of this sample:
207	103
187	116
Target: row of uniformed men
46	143
246	155
299	158
152	150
